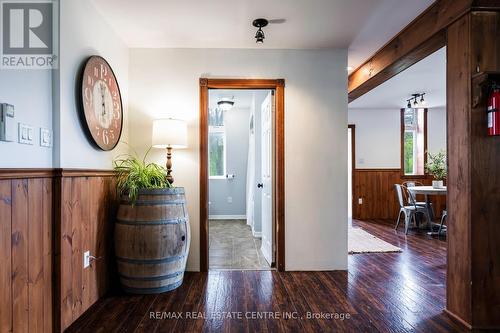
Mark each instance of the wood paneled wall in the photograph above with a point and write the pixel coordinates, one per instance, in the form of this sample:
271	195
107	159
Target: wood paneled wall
376	188
85	216
26	230
473	286
48	219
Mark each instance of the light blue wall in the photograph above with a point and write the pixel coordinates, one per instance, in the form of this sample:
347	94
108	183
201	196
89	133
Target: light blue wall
237	130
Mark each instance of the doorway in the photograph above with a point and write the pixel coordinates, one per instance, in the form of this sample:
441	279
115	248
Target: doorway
240	178
216	94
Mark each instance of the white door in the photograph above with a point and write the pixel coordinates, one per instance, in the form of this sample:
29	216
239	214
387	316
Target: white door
267	110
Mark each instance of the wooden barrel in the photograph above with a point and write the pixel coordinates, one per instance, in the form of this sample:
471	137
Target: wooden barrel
152	239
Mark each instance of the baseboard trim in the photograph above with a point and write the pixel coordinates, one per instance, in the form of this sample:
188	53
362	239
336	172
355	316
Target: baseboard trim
458	319
227	217
257	234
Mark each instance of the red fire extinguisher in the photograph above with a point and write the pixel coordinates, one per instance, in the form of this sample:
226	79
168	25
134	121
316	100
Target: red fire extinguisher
494	111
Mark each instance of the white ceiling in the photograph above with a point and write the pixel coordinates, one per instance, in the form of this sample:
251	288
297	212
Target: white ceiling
362	25
384	22
428	75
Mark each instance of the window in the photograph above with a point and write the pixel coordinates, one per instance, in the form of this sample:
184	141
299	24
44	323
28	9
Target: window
216	144
413	141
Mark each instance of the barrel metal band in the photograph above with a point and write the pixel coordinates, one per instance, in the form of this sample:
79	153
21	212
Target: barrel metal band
157	222
150	261
152	278
163	191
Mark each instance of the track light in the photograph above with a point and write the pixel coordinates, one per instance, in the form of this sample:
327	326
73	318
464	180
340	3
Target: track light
422	101
415	98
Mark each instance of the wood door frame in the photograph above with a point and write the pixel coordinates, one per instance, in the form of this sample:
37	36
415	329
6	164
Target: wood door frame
279	173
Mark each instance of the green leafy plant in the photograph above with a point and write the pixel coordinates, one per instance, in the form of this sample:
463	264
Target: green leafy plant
135	174
436	165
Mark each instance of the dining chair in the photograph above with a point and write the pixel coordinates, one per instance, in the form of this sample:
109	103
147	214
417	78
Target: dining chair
415	183
410	183
443	218
408	207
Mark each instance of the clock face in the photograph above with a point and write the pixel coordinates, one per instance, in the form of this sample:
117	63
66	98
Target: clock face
102	103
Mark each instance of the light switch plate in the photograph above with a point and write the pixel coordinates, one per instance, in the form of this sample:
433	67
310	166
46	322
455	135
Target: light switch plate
26	134
45	137
229	199
360	201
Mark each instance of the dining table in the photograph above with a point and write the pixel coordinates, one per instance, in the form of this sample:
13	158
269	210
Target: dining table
428	191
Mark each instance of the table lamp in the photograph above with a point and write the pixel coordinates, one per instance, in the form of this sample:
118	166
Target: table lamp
169	133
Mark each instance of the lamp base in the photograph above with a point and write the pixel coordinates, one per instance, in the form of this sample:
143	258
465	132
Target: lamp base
169	165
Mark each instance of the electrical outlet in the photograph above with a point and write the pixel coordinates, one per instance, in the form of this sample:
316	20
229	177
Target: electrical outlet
229	199
360	201
86	259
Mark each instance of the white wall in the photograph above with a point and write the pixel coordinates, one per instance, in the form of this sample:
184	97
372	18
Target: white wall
164	82
30	91
377	139
378	136
436	129
84	33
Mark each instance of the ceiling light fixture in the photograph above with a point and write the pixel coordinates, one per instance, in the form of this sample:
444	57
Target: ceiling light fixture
422	101
415	98
259	35
225	104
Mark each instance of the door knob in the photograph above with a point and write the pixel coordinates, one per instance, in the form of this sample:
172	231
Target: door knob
260	185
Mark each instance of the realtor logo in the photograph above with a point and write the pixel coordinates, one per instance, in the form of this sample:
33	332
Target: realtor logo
28	35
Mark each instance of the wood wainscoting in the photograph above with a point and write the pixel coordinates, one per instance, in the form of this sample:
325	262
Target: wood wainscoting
26	253
48	218
84	218
376	189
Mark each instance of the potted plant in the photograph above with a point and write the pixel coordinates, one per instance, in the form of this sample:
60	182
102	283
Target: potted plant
436	166
152	233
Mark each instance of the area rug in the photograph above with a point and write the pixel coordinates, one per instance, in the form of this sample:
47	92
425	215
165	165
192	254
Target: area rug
360	241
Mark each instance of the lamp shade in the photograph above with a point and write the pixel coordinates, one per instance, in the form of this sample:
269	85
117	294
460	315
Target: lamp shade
169	133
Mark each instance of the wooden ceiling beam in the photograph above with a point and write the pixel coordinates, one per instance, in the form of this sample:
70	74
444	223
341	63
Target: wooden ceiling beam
423	36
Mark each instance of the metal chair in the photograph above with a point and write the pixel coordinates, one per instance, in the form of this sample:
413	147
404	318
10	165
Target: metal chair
408	206
443	218
415	183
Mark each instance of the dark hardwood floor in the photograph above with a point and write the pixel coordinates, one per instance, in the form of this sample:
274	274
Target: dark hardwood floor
381	292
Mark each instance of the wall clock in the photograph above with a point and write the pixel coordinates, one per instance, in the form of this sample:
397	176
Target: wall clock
101	103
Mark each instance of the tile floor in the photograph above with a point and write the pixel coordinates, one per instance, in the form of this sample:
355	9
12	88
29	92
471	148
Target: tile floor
232	246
